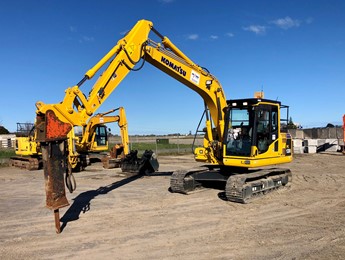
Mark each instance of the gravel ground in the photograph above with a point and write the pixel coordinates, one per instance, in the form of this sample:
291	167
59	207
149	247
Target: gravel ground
113	216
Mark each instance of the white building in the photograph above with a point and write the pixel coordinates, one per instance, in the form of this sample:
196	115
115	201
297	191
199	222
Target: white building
7	141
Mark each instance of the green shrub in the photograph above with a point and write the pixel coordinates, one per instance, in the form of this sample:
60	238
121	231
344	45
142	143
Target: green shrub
6	153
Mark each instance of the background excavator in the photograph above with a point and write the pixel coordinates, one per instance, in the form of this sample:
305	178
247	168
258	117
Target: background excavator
91	143
240	135
28	154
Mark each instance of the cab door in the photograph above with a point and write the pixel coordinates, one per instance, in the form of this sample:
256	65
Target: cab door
101	138
266	127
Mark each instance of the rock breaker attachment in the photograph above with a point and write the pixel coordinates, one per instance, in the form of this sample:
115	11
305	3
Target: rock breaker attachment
52	134
147	164
54	166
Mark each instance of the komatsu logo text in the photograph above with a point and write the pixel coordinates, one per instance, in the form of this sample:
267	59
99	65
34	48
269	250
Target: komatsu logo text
173	66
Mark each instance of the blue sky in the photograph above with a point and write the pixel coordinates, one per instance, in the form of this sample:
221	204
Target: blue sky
293	50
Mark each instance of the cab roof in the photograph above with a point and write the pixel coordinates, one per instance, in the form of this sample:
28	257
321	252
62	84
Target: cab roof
251	101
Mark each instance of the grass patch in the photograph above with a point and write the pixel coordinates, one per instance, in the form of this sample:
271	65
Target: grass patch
153	146
167	149
6	153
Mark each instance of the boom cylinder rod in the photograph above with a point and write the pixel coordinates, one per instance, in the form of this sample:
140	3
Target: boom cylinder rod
108	112
82	81
157	33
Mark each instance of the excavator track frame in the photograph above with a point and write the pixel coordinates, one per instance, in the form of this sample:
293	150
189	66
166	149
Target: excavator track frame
240	187
243	188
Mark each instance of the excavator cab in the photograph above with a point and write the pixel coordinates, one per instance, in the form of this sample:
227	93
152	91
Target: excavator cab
100	142
254	135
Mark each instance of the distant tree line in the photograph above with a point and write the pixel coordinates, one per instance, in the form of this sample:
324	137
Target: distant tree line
3	130
291	124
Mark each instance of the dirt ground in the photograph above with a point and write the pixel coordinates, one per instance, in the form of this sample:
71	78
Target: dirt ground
112	216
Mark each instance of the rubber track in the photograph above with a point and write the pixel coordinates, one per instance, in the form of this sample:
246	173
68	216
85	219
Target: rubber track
177	181
237	184
30	164
179	178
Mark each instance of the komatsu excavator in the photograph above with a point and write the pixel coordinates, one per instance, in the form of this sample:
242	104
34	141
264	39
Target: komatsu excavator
241	135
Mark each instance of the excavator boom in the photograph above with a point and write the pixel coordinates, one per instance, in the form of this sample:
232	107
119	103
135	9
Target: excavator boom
123	57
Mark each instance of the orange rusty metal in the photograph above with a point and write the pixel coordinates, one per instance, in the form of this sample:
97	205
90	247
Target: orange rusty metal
55	128
50	128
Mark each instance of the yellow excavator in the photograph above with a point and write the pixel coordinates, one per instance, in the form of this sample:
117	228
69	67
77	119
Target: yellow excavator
240	137
28	154
90	144
94	137
93	143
